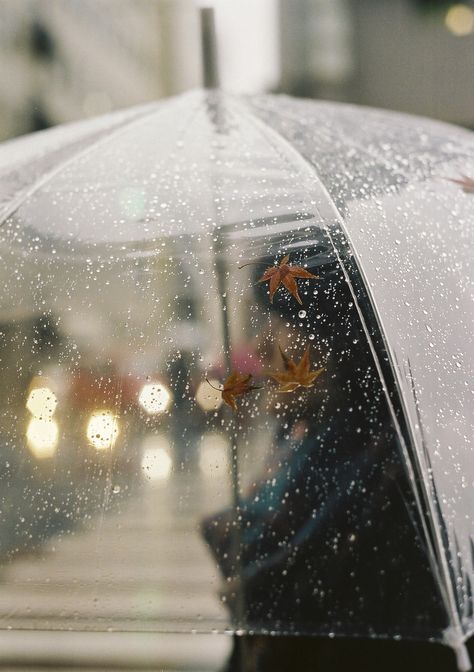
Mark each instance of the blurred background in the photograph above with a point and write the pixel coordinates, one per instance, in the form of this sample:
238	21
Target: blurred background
64	60
111	541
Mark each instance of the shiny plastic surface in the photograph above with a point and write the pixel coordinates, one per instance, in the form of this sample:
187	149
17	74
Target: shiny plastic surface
340	508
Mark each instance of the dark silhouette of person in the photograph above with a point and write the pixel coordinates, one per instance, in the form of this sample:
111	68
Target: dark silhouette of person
329	539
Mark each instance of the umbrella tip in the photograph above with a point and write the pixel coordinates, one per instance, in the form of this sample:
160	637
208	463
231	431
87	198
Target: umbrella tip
454	638
462	659
209	48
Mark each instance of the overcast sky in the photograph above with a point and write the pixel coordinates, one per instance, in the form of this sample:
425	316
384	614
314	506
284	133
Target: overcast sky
248	44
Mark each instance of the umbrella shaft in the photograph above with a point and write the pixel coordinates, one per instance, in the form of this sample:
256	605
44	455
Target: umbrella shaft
209	49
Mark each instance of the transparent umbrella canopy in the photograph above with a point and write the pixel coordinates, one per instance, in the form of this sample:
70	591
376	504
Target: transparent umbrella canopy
236	346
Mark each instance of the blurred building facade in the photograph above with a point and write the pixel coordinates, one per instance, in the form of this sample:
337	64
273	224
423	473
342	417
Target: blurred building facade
416	56
317	48
63	60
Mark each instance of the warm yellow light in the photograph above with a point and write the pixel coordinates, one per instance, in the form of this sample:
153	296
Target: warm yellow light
208	398
156	464
102	429
459	20
154	398
156	460
214	454
42	437
42	402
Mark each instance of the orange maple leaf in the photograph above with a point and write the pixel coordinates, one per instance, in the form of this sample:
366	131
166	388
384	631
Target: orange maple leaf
467	183
296	375
284	274
236	384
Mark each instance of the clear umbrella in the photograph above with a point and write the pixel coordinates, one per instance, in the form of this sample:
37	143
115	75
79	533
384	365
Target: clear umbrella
251	321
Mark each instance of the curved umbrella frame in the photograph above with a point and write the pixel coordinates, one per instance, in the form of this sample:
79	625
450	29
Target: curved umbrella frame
431	522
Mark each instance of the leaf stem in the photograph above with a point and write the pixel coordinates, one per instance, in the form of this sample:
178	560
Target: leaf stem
254	263
214	388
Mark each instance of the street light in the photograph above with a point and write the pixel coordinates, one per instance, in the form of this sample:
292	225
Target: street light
154	398
102	430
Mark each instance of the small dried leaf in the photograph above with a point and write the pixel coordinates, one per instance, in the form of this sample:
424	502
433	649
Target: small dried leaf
285	274
296	375
467	183
235	385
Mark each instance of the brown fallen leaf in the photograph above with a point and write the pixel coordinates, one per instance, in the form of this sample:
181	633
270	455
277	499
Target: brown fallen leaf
284	274
235	385
296	375
467	183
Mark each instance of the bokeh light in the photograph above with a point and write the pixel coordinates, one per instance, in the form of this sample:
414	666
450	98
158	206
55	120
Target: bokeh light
154	398
41	402
208	398
102	430
42	437
459	20
156	461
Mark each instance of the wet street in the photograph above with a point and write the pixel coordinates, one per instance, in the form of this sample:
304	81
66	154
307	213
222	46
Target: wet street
100	594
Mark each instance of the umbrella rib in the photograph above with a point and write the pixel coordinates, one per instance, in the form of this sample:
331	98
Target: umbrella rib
103	139
374	153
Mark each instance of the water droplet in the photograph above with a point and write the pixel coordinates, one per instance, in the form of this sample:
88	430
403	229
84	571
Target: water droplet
302	314
116	489
311	337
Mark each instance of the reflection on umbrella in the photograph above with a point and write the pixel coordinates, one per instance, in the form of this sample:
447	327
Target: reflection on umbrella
352	499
